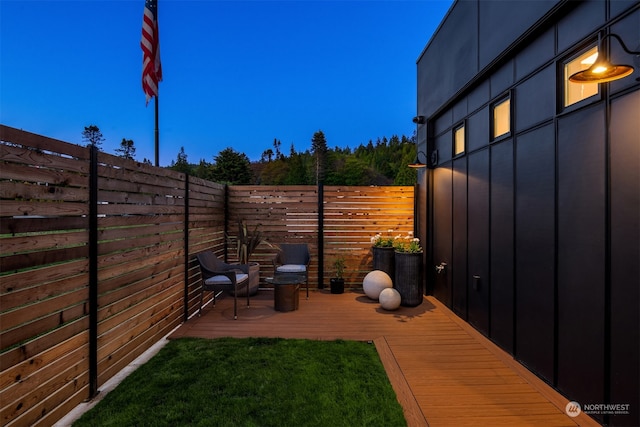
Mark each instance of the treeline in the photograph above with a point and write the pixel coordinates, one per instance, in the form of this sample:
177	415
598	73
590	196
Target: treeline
383	162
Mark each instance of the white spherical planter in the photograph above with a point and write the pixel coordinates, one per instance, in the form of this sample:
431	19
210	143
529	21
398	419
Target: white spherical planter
374	282
389	299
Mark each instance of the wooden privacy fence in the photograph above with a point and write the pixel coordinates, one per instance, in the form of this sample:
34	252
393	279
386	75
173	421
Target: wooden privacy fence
97	258
347	216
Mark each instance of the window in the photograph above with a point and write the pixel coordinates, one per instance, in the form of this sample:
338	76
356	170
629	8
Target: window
458	140
576	92
502	118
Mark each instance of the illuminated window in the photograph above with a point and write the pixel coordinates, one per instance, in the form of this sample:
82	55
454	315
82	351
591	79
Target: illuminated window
576	92
502	118
458	140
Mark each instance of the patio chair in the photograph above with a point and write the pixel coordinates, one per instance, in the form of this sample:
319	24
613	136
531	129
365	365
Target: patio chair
218	275
293	259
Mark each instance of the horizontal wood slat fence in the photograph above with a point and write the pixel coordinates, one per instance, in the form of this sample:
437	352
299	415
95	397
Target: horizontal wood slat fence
97	258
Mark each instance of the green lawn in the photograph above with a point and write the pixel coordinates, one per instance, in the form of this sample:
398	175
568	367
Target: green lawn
254	382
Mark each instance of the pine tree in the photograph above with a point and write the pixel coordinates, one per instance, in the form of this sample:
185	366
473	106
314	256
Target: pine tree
92	135
181	164
319	149
232	167
126	150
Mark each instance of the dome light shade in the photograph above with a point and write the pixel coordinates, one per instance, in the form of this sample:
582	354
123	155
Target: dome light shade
602	70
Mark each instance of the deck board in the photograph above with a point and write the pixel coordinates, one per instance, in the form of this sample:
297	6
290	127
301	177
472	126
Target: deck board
443	371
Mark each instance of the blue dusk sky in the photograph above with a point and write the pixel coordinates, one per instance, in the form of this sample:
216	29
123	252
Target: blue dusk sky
237	73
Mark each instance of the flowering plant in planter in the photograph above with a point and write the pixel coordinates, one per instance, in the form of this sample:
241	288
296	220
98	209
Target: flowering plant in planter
380	241
407	244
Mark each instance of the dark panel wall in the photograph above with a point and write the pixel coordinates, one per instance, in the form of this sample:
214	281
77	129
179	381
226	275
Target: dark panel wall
470	38
581	254
538	52
502	79
535	250
502	241
479	122
629	29
458	51
500	25
478	283
624	289
443	145
550	215
584	19
458	267
535	99
442	204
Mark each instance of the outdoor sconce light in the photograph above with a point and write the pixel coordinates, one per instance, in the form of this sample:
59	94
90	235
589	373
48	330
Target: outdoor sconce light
417	164
602	70
418	120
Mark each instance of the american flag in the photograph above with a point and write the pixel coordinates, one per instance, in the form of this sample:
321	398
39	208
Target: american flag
150	43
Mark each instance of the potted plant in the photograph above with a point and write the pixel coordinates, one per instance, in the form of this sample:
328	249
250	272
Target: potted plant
408	270
383	253
247	241
337	282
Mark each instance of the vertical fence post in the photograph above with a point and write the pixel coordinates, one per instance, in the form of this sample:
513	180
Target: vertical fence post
185	315
93	271
320	235
226	220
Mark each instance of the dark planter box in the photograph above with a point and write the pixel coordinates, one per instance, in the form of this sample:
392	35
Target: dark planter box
384	260
408	278
337	285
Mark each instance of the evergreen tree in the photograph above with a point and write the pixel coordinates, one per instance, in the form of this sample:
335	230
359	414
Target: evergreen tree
181	164
267	155
232	167
126	150
92	135
204	170
319	149
276	145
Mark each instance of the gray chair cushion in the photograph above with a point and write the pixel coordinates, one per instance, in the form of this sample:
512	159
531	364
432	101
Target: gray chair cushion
224	280
291	268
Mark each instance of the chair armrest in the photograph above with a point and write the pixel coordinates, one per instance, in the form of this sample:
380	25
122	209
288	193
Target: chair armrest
244	268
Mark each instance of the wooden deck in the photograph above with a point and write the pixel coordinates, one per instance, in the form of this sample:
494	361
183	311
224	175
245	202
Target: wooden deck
443	371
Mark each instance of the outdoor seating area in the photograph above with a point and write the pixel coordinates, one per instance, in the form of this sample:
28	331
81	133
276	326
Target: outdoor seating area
293	259
217	275
443	371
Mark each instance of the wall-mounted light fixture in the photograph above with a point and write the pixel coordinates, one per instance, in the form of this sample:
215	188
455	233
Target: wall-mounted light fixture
602	70
417	164
419	120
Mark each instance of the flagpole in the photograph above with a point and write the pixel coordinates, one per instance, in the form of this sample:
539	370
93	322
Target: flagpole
157	134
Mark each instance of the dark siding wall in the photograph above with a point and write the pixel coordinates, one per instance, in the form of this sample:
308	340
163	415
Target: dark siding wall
478	218
581	254
502	240
624	290
442	205
535	250
468	42
535	99
584	19
458	51
479	122
458	267
511	21
548	218
538	52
